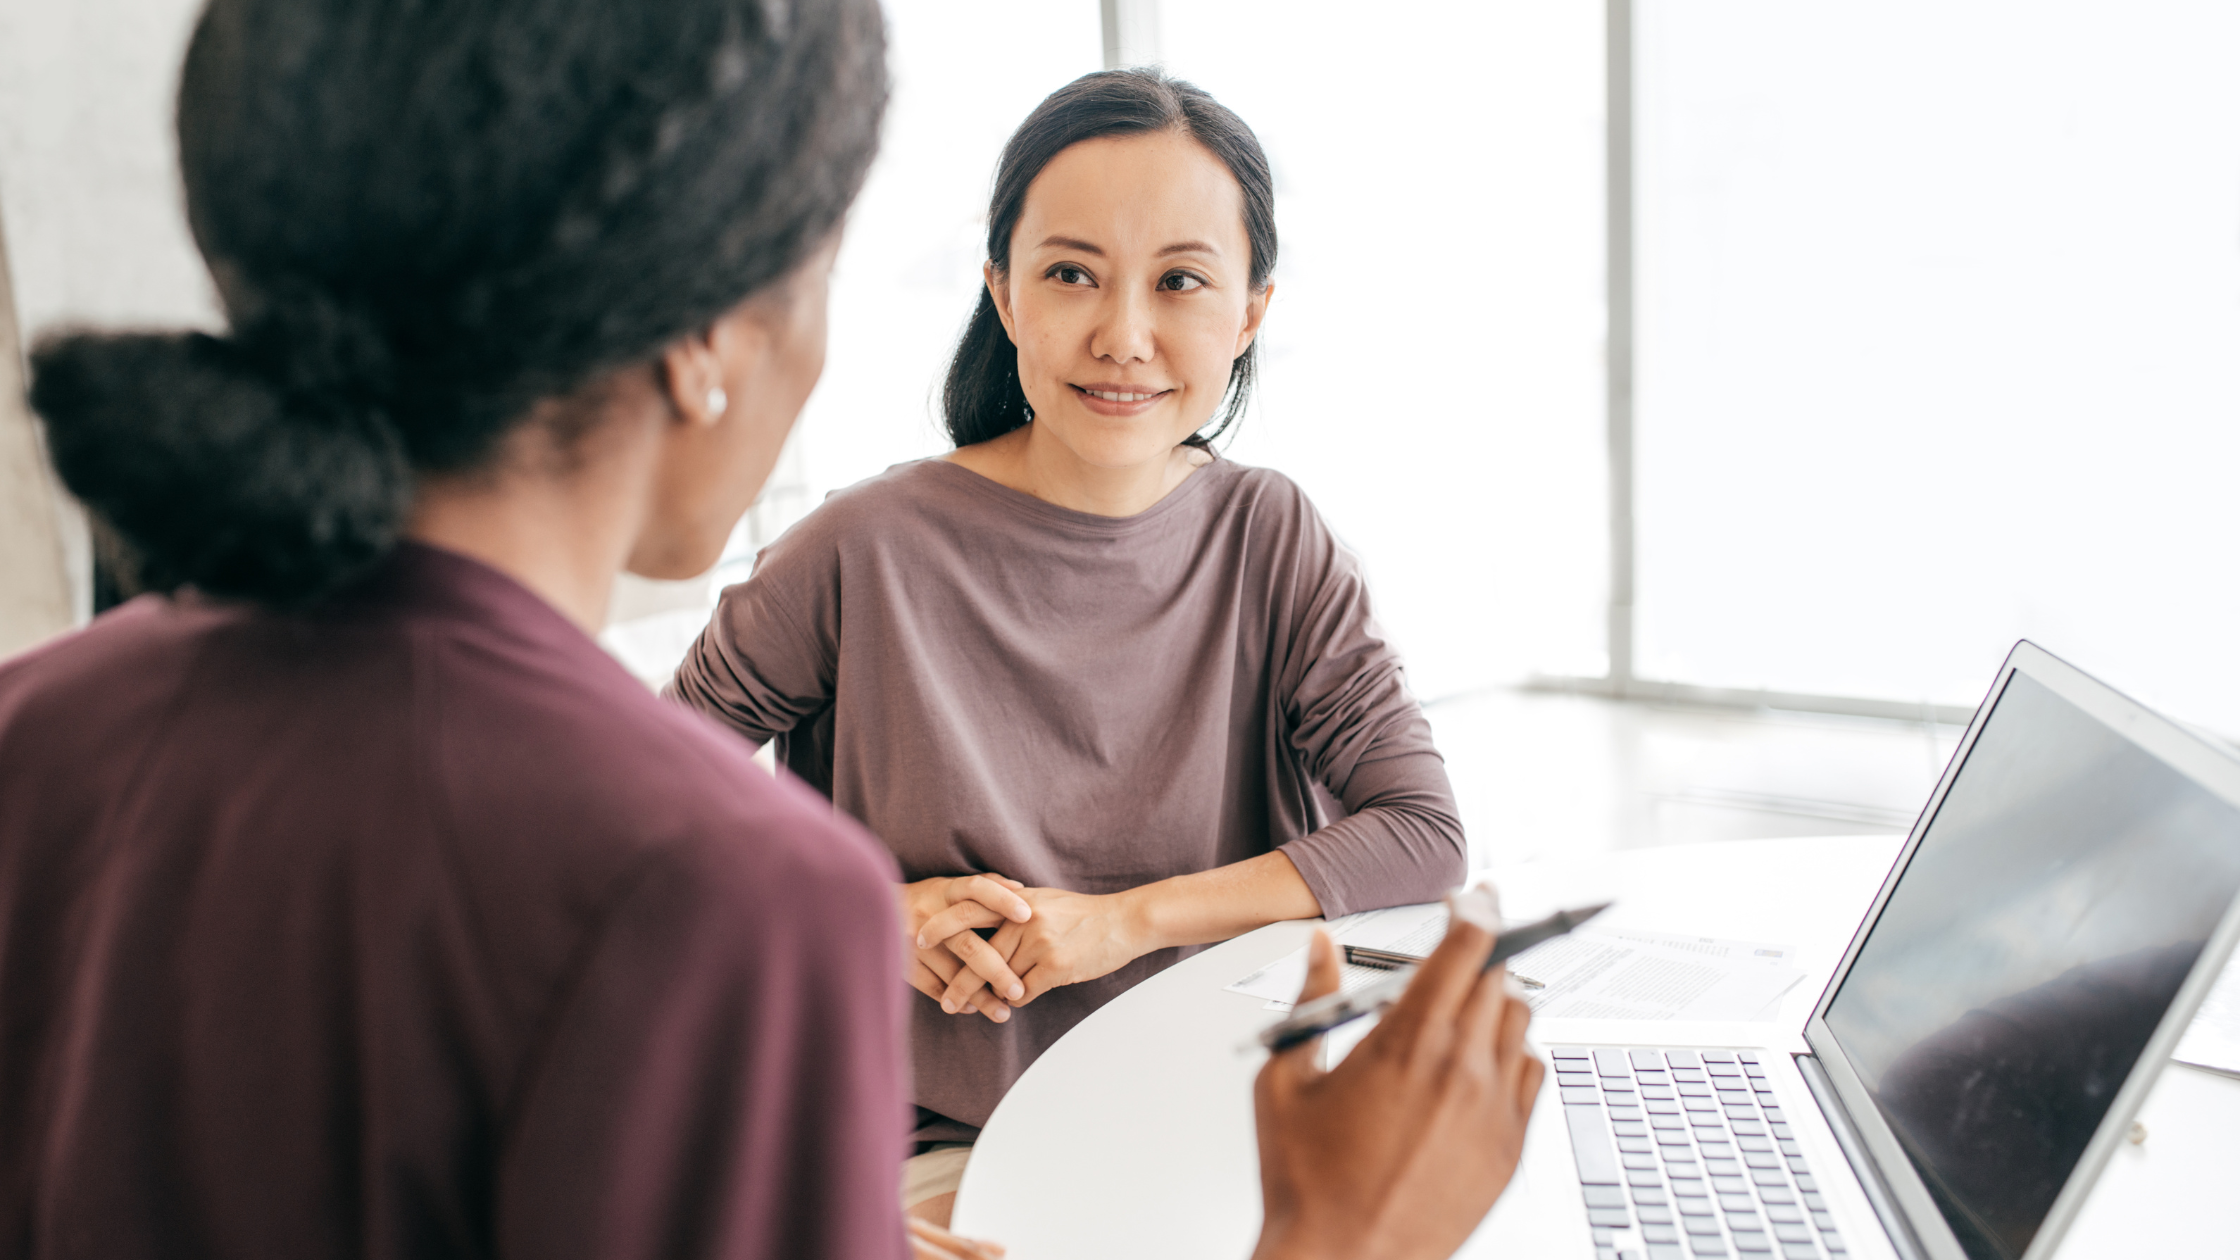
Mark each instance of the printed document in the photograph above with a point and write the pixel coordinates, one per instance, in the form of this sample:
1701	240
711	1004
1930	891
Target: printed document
2213	1039
1592	973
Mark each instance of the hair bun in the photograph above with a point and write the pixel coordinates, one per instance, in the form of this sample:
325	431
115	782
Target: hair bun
311	345
239	468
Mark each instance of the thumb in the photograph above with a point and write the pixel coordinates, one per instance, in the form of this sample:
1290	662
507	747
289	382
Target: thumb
1323	972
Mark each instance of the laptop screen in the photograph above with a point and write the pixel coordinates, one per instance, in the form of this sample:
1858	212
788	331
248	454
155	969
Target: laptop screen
2057	901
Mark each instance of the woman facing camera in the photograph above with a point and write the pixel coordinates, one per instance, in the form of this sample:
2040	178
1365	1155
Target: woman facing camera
1098	689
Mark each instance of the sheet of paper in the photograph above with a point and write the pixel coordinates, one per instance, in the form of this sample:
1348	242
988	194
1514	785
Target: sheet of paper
1624	974
1407	929
2213	1039
1589	974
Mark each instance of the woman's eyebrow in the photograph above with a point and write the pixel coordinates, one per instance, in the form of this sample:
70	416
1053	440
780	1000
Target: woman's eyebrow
1071	242
1189	247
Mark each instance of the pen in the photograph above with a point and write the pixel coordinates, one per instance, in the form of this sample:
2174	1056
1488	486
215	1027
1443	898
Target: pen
1312	1019
1387	960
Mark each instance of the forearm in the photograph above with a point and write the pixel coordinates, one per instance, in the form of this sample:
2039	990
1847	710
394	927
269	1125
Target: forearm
1221	903
1401	841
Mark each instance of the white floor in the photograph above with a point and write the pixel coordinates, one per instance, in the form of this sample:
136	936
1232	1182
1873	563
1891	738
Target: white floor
1541	774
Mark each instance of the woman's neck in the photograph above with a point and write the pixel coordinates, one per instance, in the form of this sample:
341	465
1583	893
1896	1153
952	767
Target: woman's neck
1032	462
560	523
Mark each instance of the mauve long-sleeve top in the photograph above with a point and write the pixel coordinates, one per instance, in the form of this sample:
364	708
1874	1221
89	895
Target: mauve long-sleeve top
995	683
414	927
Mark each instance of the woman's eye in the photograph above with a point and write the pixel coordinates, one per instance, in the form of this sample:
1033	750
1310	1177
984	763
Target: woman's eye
1181	282
1069	275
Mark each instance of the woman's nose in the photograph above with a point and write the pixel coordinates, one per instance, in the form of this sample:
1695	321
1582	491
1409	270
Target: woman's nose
1124	331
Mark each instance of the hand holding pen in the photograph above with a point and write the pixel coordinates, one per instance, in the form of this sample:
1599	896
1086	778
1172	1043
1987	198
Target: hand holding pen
1400	1149
1312	1019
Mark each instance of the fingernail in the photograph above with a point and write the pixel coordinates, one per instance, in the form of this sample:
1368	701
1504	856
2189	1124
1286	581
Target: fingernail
1016	992
947	1009
923	943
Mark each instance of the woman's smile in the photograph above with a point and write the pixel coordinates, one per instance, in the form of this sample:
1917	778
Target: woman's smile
1119	400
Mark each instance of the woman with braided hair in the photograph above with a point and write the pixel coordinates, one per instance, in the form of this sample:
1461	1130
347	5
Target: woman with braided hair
352	901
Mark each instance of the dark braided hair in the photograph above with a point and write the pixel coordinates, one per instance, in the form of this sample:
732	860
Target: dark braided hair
982	398
424	217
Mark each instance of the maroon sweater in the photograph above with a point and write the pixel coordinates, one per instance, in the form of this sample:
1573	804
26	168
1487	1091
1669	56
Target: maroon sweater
414	927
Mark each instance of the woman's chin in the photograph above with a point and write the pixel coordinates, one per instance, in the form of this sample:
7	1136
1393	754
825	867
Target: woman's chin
1121	445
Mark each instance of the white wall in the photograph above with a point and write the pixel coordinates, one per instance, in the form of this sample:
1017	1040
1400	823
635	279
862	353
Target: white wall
90	201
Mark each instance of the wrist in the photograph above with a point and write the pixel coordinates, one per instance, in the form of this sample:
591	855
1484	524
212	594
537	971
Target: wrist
1141	924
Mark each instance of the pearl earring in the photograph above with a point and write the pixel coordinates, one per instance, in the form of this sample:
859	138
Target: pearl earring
717	401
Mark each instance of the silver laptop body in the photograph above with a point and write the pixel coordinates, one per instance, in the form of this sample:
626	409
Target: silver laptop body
2060	908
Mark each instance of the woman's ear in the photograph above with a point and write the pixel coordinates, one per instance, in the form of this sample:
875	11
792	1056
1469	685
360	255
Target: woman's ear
693	369
1255	310
1000	294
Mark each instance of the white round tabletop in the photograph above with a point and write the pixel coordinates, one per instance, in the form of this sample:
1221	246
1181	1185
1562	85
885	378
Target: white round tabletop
1133	1135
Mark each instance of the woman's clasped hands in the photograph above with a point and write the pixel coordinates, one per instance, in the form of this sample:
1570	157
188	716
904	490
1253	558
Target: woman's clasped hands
1042	938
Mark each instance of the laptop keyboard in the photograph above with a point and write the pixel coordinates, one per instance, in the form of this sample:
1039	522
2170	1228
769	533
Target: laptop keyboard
1686	1153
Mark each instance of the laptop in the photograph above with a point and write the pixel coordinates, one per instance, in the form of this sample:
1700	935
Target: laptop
2059	909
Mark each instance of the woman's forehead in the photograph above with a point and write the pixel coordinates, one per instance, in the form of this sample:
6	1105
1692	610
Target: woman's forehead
1144	193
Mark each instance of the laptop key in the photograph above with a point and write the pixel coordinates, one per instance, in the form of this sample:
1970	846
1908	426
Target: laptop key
1785	1214
1736	1203
1577	1094
1707	1245
1590	1146
1646	1060
1766	1176
1693	1205
1648	1177
1824	1222
1752	1241
1612	1063
1761	1159
1792	1233
1615	1218
1799	1251
1637	1161
1650	1196
1604	1196
1654	1215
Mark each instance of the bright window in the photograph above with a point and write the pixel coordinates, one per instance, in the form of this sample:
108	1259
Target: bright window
1939	345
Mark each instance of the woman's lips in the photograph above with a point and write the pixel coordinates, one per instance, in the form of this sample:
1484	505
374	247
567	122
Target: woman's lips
1119	400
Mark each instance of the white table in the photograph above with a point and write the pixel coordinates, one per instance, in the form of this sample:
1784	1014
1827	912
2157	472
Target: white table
1133	1135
